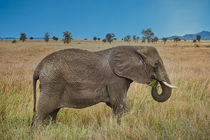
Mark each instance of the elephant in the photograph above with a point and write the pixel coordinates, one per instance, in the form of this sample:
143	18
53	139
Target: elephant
78	78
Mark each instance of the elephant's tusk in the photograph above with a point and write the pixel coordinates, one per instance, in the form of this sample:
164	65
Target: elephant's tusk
168	85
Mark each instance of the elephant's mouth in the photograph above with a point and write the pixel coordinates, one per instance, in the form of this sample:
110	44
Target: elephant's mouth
166	90
152	82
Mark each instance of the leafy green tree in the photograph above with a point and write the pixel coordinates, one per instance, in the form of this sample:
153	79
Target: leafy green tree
110	37
148	34
23	37
31	38
67	37
46	37
55	38
198	37
165	40
99	38
127	38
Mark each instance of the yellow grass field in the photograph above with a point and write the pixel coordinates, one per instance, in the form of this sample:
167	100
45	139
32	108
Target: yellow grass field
185	116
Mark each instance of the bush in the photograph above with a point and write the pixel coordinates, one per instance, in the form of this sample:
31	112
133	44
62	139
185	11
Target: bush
14	41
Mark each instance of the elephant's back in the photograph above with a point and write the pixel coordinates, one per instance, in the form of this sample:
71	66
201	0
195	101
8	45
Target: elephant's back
68	62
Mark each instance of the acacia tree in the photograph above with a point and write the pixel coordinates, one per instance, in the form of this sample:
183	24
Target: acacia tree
46	37
148	34
67	37
198	37
110	37
23	37
165	40
127	38
176	39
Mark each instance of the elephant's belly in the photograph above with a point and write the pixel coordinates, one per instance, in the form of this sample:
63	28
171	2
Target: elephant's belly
75	98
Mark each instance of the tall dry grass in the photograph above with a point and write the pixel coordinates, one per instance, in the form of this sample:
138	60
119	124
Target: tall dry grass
184	116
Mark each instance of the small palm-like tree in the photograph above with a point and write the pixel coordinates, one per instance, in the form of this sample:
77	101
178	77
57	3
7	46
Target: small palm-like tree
67	37
110	37
23	37
46	37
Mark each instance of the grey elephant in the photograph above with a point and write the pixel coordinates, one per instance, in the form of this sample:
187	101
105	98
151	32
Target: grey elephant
78	78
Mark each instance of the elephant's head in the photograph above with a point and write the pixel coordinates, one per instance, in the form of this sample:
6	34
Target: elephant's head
142	64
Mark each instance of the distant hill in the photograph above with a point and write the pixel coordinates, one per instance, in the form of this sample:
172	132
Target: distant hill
205	35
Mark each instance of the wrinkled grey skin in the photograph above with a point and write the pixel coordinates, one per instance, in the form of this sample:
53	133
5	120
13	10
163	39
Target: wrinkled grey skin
78	78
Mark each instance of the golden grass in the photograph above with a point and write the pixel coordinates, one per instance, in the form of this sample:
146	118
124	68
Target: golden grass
186	115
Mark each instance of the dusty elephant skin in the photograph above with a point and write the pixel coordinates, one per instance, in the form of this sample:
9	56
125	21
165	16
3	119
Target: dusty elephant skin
78	78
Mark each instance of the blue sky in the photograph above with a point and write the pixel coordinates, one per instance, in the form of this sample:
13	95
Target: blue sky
88	18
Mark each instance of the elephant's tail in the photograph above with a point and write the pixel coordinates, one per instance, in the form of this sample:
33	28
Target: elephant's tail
35	78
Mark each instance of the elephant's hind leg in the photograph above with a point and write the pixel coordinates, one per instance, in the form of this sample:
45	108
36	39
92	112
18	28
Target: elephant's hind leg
53	115
47	105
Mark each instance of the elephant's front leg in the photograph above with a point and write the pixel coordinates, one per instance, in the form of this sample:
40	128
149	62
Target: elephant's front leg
117	97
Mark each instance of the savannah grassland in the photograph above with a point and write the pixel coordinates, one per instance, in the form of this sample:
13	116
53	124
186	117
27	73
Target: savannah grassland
185	116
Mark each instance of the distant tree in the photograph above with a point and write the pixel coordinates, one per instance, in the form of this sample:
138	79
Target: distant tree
127	38
67	37
155	39
104	40
137	38
198	37
143	40
85	39
31	38
46	37
55	38
176	39
134	38
148	34
94	38
194	41
14	41
110	37
165	40
23	37
99	38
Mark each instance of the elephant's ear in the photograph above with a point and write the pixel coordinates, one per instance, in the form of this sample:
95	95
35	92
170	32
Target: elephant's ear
129	63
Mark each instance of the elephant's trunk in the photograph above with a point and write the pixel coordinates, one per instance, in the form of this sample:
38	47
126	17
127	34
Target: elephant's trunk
166	92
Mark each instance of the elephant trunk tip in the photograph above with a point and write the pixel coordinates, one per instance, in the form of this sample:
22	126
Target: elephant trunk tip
164	96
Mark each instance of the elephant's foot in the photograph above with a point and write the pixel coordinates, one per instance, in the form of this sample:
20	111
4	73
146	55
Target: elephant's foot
119	111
